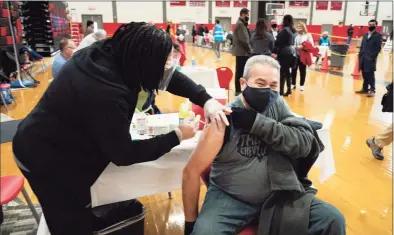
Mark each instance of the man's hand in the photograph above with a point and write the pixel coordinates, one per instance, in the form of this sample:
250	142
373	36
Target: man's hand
243	118
189	227
216	112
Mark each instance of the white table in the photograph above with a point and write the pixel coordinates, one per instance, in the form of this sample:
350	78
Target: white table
165	174
206	77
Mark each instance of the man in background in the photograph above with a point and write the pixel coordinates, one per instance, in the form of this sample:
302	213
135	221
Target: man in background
241	46
92	38
368	56
89	27
274	29
218	37
350	32
67	48
200	34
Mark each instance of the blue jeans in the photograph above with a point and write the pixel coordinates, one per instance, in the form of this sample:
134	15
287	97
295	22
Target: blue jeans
222	214
349	40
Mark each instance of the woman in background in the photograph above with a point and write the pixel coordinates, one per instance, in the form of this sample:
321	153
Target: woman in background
302	36
285	53
262	41
324	43
194	34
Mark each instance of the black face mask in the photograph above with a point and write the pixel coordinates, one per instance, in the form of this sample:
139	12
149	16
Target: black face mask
259	99
274	26
324	37
246	19
371	28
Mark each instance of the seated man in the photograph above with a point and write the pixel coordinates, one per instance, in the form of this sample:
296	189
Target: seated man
92	38
67	48
259	167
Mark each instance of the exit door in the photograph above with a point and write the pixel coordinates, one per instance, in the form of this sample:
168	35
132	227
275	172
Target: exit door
97	19
225	22
387	27
188	26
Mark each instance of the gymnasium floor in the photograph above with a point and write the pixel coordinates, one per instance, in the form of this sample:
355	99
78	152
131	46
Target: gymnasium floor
362	186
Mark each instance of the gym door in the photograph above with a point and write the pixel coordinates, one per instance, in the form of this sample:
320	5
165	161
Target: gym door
97	19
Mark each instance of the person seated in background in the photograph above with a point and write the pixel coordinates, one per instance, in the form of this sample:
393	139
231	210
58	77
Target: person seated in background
67	48
259	166
100	34
325	42
229	38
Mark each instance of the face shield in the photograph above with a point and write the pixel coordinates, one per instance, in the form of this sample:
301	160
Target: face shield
169	70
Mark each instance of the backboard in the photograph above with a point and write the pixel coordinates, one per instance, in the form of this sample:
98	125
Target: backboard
275	9
367	9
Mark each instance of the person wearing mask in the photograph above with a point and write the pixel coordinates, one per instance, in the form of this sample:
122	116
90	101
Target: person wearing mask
377	143
274	29
92	38
82	122
67	48
218	37
89	28
350	32
285	52
200	33
302	36
368	56
324	42
258	167
262	42
241	46
194	34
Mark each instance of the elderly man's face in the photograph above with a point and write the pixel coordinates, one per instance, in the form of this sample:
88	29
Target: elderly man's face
262	76
69	50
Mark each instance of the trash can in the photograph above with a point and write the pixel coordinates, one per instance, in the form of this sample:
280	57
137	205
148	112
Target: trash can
338	55
121	218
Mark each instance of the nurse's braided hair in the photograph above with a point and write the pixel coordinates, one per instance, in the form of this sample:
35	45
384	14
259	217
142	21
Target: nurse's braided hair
140	53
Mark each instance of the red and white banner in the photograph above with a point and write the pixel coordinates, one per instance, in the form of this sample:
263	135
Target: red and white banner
321	5
299	3
200	3
222	3
240	3
336	5
177	3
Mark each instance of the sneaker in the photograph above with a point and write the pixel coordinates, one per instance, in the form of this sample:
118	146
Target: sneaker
376	150
361	92
293	87
371	94
302	88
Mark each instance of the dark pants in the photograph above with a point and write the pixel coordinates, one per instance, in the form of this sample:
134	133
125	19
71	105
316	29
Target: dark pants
302	68
369	81
285	77
66	210
222	214
240	62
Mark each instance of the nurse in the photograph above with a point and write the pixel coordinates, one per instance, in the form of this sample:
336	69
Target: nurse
82	122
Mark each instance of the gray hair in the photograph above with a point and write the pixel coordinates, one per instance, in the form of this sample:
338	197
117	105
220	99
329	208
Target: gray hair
260	59
100	34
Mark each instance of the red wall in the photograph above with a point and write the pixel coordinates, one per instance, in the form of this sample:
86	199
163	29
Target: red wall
339	32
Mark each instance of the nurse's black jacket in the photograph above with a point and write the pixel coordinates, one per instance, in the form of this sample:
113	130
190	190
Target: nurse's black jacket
81	123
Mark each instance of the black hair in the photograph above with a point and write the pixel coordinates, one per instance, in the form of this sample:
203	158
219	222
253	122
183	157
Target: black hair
140	53
89	23
244	11
261	27
373	21
288	22
217	21
168	28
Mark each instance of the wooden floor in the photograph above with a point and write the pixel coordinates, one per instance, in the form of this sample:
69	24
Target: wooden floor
361	188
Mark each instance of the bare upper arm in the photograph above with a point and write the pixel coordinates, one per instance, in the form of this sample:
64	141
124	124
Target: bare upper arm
208	146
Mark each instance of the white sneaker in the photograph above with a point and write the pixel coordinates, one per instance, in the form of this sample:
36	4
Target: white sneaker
302	88
292	87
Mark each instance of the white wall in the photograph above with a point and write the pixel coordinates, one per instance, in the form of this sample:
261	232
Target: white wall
327	16
139	11
186	13
297	12
353	13
231	11
92	8
385	12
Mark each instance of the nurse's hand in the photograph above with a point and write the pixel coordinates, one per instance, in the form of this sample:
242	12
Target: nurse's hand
188	128
215	112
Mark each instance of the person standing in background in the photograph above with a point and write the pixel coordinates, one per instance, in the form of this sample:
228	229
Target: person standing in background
350	32
89	28
302	36
274	28
368	56
262	42
324	43
241	47
200	33
194	34
285	52
218	37
181	39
